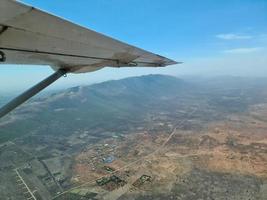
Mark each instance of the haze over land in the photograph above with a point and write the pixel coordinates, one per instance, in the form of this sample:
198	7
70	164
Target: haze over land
212	37
148	137
202	136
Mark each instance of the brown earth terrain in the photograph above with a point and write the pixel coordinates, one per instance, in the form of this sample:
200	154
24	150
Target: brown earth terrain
150	137
236	146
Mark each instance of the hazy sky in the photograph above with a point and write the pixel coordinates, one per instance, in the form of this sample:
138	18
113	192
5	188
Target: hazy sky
211	37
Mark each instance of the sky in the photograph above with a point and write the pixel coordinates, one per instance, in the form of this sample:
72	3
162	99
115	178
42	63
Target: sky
211	37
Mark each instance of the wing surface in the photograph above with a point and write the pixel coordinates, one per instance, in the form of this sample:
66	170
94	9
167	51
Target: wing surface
31	36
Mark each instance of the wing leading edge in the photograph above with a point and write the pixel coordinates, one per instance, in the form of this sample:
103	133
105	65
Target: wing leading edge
31	36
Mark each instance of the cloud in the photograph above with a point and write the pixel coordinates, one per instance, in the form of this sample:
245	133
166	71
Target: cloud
231	36
243	50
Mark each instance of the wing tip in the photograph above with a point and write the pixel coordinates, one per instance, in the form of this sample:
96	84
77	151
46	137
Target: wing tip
172	62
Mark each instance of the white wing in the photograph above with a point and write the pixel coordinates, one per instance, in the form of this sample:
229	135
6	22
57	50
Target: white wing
31	36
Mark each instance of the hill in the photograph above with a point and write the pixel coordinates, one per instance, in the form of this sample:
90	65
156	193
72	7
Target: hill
106	105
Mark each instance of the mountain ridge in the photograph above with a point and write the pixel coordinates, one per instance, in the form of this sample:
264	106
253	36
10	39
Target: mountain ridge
102	104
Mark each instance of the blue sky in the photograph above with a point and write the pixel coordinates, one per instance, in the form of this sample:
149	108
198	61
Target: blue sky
212	37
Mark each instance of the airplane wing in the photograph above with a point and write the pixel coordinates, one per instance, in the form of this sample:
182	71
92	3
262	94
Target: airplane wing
31	36
34	37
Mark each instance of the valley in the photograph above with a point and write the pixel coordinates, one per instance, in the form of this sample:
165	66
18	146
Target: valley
149	137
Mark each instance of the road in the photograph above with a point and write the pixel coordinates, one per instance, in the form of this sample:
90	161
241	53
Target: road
25	185
177	126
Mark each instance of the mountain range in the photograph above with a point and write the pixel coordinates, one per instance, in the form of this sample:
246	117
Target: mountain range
107	104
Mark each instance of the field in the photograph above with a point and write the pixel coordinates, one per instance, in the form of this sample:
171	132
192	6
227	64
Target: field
135	139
